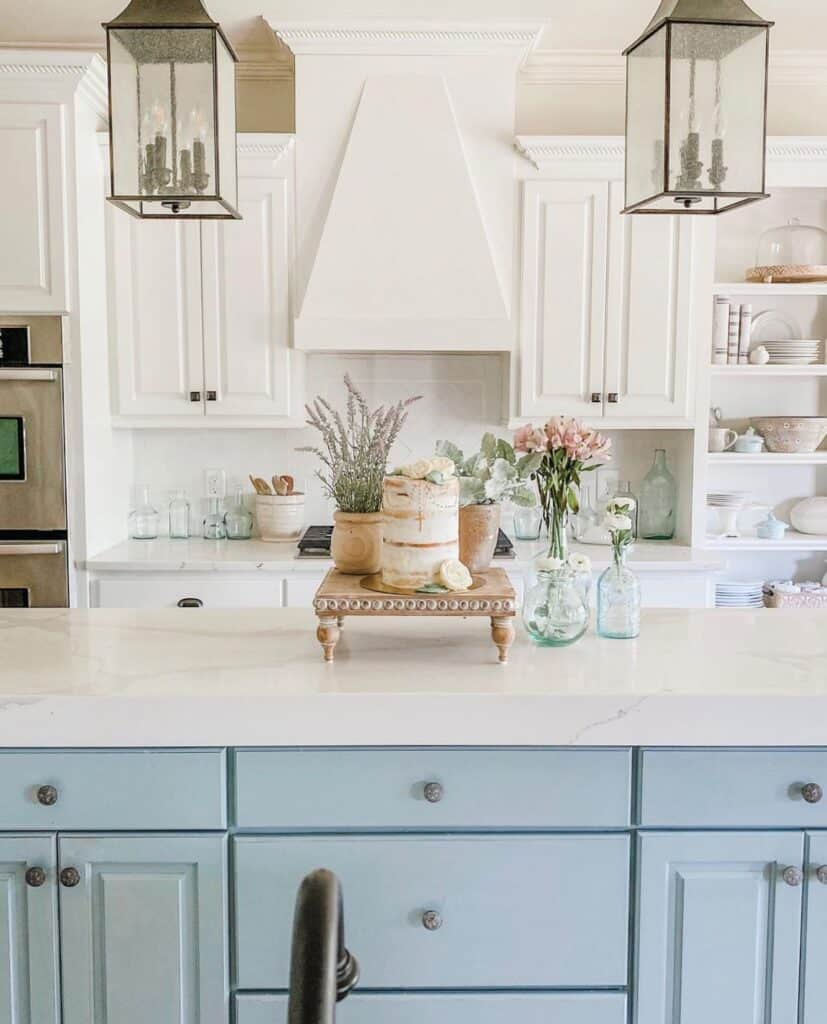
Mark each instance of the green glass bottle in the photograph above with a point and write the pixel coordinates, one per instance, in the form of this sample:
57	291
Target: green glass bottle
658	501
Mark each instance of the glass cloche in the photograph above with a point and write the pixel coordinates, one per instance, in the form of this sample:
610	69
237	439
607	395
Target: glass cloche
794	252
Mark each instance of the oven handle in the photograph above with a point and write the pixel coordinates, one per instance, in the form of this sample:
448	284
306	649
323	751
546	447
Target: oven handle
26	374
30	549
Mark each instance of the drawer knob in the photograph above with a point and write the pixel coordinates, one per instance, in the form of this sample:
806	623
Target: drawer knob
47	795
597	398
821	874
70	877
432	920
433	792
793	876
35	877
812	792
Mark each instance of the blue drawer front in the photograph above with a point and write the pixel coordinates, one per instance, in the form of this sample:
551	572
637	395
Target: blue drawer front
452	1008
385	789
731	788
114	789
528	911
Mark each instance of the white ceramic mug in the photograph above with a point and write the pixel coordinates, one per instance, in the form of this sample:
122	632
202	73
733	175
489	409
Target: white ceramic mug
721	439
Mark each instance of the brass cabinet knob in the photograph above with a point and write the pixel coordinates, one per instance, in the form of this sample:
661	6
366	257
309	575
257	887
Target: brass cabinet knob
70	877
47	795
597	398
812	792
433	792
35	877
195	396
613	397
793	876
212	396
432	920
821	874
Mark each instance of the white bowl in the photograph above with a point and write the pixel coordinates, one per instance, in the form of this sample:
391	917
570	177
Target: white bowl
810	516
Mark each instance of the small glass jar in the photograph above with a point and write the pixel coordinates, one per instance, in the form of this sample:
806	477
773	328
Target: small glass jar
144	519
658	501
618	601
238	520
179	516
214	528
527	522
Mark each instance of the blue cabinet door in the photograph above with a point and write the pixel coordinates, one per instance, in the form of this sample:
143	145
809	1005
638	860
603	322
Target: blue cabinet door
143	933
718	928
28	931
814	994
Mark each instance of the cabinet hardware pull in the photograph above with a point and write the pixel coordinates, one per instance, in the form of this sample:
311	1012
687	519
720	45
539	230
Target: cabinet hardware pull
433	792
212	396
612	396
47	795
432	920
195	396
35	877
821	874
190	602
597	398
793	876
812	792
70	877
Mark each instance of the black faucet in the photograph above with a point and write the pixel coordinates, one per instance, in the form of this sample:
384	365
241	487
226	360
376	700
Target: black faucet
322	971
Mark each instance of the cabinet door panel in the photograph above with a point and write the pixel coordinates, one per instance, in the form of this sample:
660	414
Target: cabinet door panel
562	326
32	258
718	928
246	270
660	273
155	315
28	932
143	935
814	995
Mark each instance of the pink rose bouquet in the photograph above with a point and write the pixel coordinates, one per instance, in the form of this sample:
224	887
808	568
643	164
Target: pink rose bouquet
557	455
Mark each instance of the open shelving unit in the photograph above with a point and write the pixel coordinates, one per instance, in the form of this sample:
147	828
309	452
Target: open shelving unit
769	370
765	459
792	541
747	288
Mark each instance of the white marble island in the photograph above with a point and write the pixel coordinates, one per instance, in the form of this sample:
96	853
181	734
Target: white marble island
110	677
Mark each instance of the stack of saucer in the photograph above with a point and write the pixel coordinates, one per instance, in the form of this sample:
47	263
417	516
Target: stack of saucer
739	594
727	499
794	353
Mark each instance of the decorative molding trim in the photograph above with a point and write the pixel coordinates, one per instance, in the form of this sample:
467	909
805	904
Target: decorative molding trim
420	37
267	145
81	70
264	64
542	150
802	149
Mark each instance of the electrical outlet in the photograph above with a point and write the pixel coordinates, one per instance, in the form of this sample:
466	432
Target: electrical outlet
215	483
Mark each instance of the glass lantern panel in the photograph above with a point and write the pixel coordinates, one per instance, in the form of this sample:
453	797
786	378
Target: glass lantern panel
126	151
646	118
716	117
228	174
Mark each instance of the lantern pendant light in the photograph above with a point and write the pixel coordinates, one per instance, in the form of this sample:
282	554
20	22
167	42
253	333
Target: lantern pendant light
172	123
696	109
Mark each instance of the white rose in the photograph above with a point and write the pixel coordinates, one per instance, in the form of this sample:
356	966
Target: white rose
548	564
580	563
417	470
442	464
454	575
617	523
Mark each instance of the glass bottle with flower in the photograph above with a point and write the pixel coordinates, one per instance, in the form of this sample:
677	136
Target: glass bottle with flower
618	589
555	610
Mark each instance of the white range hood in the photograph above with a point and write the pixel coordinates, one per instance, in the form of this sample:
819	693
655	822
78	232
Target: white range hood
405	185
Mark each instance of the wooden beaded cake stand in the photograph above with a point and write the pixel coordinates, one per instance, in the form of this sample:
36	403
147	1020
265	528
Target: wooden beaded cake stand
341	595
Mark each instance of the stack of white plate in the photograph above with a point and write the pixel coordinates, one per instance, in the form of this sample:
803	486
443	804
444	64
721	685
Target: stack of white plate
727	499
739	594
801	352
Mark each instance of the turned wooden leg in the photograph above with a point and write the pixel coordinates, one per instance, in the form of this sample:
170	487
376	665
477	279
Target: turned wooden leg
502	633
328	634
340	621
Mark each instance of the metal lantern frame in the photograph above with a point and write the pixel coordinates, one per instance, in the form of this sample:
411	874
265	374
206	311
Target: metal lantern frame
725	13
169	15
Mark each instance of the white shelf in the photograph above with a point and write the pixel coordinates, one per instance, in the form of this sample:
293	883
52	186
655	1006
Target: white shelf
747	288
769	370
767	459
792	542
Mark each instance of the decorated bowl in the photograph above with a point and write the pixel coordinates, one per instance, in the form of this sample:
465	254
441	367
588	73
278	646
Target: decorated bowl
791	433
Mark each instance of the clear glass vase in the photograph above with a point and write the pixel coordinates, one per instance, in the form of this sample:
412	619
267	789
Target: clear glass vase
238	521
658	502
618	601
555	613
144	519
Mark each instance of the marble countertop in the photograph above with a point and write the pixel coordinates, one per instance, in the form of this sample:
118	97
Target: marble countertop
180	677
197	555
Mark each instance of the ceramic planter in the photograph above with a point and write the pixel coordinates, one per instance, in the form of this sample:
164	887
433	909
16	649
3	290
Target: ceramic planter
280	517
356	547
478	528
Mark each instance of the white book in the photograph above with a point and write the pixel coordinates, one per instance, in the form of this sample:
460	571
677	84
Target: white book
744	329
734	330
720	331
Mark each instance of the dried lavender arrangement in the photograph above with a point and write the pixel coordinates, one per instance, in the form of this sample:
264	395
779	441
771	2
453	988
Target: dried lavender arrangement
355	448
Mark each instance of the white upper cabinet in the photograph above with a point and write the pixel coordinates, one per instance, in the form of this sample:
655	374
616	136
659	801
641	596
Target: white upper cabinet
200	312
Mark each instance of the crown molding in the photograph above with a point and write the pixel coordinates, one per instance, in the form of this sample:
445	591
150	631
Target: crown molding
407	37
263	63
263	145
81	70
542	150
606	67
797	148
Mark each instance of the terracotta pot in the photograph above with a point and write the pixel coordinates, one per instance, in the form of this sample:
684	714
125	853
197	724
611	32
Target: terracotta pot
280	517
478	528
356	547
